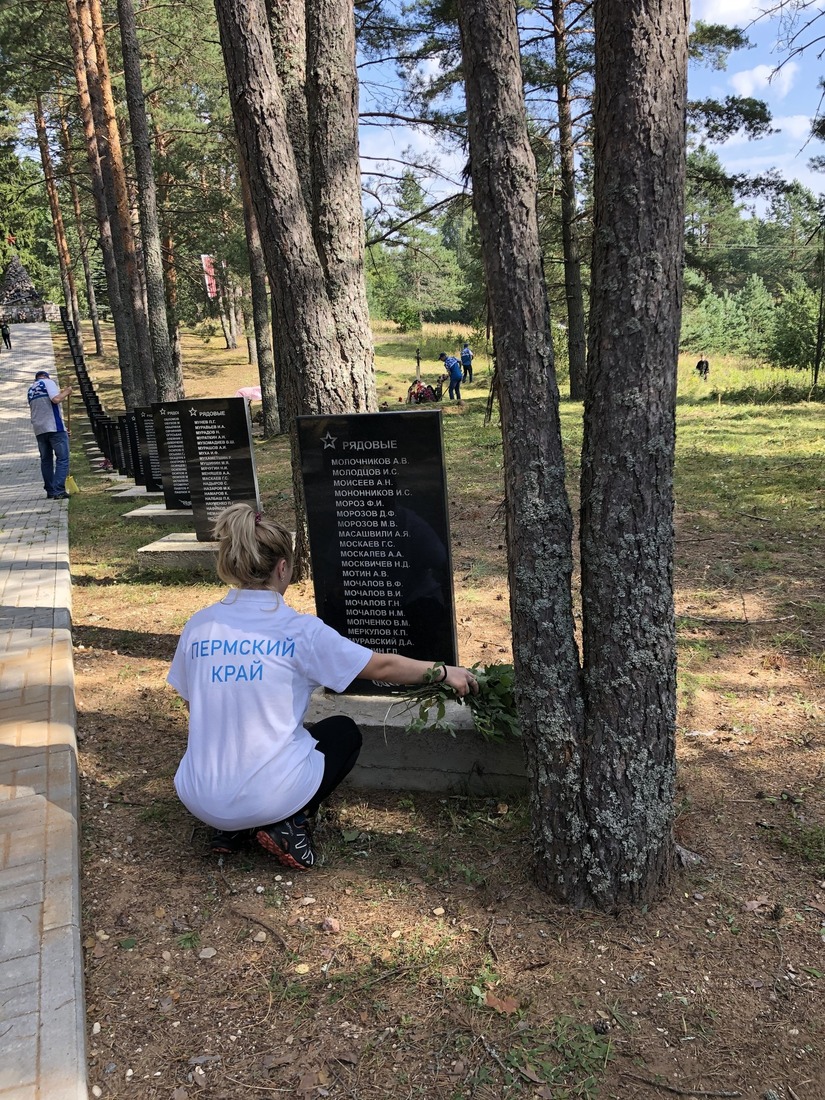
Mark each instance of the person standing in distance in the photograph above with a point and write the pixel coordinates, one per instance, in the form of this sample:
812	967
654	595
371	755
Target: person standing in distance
246	668
455	373
6	334
52	438
467	363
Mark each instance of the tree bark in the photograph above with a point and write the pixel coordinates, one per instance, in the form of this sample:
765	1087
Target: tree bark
600	740
627	458
62	245
316	373
574	296
169	382
224	314
337	206
121	319
82	236
165	184
539	522
112	150
260	311
288	28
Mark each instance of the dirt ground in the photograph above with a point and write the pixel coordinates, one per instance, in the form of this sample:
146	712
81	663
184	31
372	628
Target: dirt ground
419	960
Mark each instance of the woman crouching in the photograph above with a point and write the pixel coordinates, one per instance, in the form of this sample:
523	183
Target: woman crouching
246	667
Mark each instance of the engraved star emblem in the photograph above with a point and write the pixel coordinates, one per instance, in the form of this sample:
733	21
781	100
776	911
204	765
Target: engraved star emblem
193	412
329	440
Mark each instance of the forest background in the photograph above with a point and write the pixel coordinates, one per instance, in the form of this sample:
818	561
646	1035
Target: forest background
754	243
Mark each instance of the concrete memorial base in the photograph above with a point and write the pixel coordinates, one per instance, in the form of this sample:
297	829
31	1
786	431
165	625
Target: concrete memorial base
393	759
137	491
182	551
158	513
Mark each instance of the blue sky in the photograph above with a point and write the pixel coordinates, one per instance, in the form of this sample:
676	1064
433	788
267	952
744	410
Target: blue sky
788	84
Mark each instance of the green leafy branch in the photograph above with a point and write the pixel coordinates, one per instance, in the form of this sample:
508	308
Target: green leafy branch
493	709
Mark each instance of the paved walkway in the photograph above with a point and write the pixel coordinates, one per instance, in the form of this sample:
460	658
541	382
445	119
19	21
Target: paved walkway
42	1034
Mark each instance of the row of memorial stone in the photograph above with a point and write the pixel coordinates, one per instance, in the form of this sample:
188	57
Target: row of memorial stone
198	453
375	494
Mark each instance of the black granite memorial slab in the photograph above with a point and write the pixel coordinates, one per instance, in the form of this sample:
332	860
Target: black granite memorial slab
107	439
217	437
148	446
134	448
379	533
124	467
117	457
174	473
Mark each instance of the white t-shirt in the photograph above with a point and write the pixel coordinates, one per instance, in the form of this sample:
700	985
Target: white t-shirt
247	667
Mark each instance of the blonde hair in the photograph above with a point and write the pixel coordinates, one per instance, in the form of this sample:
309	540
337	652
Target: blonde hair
250	546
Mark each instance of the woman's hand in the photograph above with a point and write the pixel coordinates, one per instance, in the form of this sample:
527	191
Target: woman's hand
461	680
394	669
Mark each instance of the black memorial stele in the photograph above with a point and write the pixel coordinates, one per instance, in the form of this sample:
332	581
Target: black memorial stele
217	438
174	475
127	468
148	448
136	470
378	528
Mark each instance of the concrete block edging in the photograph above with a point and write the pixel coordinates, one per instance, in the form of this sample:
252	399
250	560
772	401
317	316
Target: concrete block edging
433	760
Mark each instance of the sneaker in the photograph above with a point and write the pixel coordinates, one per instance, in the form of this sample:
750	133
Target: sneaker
227	844
289	841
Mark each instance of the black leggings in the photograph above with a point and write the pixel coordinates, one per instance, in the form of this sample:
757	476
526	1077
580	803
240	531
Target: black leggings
339	739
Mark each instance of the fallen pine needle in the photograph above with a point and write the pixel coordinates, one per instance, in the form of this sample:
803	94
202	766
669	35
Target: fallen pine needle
675	1091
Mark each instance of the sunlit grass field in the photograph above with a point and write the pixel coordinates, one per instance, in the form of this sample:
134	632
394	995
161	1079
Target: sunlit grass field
739	447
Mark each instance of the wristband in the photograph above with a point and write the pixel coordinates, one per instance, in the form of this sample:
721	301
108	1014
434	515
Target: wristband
444	677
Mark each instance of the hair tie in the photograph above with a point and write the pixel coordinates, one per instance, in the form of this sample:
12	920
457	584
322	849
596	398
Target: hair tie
258	518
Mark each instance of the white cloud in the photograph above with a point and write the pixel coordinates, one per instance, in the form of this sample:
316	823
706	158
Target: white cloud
765	77
791	166
797	127
729	12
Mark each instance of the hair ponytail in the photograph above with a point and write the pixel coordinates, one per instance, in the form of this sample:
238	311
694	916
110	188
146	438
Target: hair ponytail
250	546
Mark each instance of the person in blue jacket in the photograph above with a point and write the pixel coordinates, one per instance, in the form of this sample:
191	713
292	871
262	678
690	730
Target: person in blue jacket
467	363
52	438
455	372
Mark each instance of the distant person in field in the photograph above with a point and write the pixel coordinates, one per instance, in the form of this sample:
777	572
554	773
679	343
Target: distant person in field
6	334
246	667
703	367
455	373
467	363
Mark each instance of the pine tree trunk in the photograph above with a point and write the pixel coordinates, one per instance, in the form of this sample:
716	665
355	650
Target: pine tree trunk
112	149
224	316
599	740
260	311
539	522
337	208
627	457
288	28
237	312
316	373
68	161
170	272
574	296
62	245
121	319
